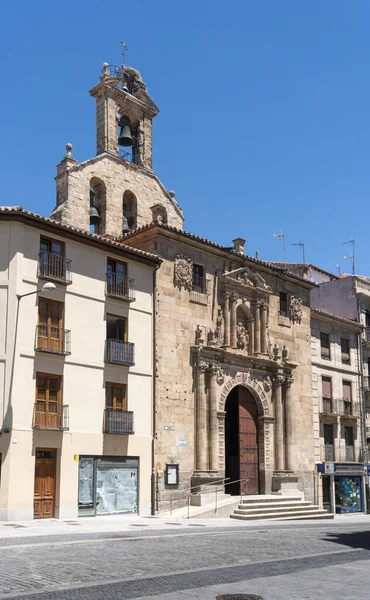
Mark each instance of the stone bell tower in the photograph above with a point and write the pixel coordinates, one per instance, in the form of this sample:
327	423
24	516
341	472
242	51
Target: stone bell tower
122	92
116	191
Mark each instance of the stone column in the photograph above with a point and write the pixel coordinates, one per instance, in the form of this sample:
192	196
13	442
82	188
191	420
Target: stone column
257	330
201	419
279	424
213	421
227	319
263	328
234	298
289	455
251	337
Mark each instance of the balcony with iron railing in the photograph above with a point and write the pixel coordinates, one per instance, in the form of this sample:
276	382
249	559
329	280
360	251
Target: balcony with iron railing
55	268
327	452
348	408
119	353
51	416
328	406
350	453
53	339
118	421
120	287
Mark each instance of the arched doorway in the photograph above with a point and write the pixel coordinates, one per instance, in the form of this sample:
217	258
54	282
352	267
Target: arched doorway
241	442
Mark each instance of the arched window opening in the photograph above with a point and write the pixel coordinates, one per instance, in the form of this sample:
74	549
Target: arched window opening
129	211
159	213
97	206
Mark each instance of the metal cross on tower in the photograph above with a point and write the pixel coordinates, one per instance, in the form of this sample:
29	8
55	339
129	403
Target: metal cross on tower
124	50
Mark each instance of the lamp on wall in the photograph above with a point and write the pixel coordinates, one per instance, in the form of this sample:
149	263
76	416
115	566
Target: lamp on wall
47	287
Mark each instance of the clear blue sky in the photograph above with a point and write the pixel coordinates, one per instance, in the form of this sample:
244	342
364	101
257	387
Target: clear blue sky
265	111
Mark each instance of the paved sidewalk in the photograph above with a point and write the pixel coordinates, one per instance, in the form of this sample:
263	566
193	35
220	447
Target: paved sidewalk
130	523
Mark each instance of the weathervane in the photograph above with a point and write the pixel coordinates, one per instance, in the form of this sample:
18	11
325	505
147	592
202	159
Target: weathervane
124	50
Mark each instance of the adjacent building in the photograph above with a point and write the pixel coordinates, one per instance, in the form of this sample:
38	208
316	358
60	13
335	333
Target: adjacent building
76	371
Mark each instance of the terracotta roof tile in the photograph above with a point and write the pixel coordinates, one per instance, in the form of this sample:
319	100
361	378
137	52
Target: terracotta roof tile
111	242
325	313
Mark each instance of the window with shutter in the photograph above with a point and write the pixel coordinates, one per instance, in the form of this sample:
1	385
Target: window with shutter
344	344
326	394
325	346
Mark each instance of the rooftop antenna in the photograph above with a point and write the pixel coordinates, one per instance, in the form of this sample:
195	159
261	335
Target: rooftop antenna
124	50
281	235
338	269
351	255
301	244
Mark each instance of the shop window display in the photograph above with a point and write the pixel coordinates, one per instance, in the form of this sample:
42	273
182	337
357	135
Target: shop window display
348	494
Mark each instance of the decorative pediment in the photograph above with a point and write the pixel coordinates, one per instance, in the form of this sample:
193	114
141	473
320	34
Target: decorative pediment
244	278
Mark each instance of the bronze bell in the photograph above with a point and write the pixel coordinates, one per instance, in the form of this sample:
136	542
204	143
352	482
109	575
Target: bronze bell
94	214
125	137
125	226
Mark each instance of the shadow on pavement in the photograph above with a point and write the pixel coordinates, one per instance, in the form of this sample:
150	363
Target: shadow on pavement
358	539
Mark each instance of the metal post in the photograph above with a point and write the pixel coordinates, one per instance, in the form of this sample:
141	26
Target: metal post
216	502
170	504
189	506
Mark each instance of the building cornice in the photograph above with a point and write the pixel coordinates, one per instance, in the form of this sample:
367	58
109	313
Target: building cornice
322	315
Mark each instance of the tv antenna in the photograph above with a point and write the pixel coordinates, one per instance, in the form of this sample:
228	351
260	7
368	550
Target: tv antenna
338	269
301	244
281	236
351	255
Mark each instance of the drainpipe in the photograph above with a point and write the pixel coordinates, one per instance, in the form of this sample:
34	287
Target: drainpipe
360	356
153	499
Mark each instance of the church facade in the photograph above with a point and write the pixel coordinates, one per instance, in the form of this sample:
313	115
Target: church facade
233	396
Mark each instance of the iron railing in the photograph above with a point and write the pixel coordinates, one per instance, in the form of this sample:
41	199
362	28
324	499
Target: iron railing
121	287
51	416
328	406
328	452
53	339
348	408
350	453
119	353
118	421
55	268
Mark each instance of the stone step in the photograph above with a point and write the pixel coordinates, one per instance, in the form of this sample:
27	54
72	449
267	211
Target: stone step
267	499
207	498
272	510
277	505
283	515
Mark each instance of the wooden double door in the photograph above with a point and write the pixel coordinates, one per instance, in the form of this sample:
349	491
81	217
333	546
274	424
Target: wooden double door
241	442
45	480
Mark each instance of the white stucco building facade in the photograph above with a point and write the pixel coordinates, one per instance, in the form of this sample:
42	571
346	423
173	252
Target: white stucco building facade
76	372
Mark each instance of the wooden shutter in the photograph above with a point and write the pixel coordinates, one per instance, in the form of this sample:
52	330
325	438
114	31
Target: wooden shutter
326	387
344	344
347	391
325	345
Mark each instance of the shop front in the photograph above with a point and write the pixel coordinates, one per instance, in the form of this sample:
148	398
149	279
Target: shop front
343	487
107	485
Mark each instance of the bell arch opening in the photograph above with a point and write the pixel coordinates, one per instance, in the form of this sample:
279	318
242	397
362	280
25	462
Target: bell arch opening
242	442
98	201
129	208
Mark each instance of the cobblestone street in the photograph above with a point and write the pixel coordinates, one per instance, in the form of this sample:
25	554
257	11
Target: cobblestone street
185	561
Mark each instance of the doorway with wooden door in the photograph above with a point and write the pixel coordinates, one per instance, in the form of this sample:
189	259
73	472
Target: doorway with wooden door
241	442
50	333
45	484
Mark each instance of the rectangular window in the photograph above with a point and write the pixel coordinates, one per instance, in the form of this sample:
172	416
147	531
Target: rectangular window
326	394
344	344
115	396
328	434
283	304
347	398
198	278
325	346
116	328
54	247
48	405
50	330
117	282
348	435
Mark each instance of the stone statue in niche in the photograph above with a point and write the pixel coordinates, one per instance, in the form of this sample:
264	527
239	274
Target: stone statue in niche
220	376
242	337
212	339
219	324
199	340
284	354
295	309
276	352
183	272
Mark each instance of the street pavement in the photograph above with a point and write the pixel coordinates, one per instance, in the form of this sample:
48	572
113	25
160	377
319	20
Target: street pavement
168	559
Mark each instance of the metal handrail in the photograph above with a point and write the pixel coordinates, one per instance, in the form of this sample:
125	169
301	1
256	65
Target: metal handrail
216	490
194	487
